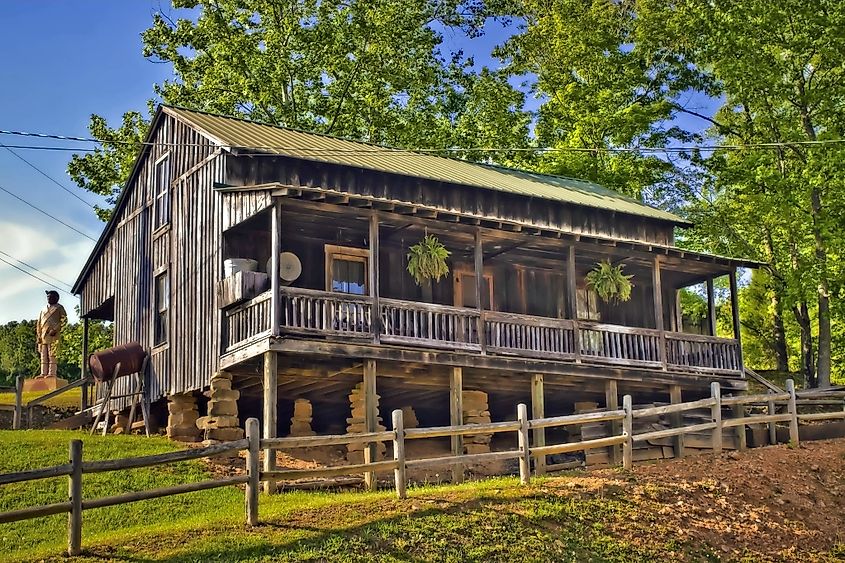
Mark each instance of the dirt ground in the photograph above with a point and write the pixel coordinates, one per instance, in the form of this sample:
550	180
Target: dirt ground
777	501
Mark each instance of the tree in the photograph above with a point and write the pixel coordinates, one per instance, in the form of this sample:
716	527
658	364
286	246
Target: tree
603	85
371	71
779	69
18	354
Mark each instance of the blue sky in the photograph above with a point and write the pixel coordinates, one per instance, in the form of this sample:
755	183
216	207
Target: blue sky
62	62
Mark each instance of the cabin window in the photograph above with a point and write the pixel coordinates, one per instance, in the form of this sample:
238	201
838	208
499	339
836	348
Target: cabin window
162	307
161	205
347	270
588	304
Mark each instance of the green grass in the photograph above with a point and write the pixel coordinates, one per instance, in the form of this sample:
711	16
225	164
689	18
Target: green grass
68	400
490	520
32	449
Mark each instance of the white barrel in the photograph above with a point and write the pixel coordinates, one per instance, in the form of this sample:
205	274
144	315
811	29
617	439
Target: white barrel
232	266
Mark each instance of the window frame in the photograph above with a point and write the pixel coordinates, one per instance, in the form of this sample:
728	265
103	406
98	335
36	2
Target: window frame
162	194
348	254
457	287
161	311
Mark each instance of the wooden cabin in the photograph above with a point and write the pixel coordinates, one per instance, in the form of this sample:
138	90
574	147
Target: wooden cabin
513	319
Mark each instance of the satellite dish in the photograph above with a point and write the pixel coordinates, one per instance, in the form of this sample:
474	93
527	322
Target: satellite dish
290	268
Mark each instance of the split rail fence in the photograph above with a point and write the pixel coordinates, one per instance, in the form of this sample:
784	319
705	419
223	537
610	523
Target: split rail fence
621	420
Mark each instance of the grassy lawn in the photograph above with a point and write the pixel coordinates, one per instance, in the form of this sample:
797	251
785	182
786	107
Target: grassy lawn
70	399
604	516
490	520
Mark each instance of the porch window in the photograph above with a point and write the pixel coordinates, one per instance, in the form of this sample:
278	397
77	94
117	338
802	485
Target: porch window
162	306
161	205
347	270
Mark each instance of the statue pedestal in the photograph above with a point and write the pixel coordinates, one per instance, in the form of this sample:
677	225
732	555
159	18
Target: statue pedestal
43	383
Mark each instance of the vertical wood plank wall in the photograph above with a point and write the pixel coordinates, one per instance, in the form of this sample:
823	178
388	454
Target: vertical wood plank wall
188	250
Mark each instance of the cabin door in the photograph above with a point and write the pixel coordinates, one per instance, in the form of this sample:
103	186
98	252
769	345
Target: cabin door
465	290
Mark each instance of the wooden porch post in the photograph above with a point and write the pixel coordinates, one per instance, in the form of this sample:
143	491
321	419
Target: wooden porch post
677	420
679	313
735	312
271	402
83	368
711	307
275	279
480	286
538	410
456	418
371	416
611	399
658	309
375	315
572	301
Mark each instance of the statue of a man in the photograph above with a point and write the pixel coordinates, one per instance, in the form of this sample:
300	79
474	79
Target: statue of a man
48	331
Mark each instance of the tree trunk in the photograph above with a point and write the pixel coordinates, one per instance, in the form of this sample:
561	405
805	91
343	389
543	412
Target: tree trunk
781	351
808	369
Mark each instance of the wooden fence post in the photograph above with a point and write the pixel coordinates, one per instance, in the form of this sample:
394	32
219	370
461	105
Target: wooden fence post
677	421
74	521
253	434
773	427
739	412
793	411
16	419
628	431
716	415
524	448
399	453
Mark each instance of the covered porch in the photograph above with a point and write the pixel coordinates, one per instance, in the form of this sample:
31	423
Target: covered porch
530	301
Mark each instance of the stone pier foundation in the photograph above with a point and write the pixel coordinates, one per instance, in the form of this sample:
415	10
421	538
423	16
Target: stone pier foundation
182	415
300	423
222	423
475	411
357	424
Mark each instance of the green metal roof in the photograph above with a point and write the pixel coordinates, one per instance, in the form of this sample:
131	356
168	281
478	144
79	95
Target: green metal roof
240	133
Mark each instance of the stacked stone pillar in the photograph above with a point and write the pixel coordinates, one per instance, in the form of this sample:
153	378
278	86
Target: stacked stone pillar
300	423
222	423
357	424
409	418
182	415
476	411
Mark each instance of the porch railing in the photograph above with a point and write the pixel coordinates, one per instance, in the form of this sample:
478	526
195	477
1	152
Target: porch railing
615	344
526	335
312	312
246	321
307	311
698	352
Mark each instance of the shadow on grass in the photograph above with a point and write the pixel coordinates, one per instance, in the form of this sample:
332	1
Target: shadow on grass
485	527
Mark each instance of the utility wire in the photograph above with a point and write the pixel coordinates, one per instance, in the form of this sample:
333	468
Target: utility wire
30	266
53	217
30	274
59	184
404	152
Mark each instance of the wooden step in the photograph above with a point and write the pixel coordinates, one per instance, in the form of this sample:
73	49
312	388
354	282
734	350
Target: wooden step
77	420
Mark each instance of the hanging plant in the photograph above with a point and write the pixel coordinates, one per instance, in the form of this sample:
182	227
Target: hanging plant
609	282
427	260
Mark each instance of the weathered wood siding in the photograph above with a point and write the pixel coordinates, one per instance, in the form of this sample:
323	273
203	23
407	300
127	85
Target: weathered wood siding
492	204
187	249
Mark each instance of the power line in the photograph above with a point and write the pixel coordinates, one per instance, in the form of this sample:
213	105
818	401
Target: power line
30	266
30	274
405	152
53	217
59	184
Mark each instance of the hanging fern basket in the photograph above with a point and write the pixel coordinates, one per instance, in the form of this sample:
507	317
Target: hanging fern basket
427	260
609	282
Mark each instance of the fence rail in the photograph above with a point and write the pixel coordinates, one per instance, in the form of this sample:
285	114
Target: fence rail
524	453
